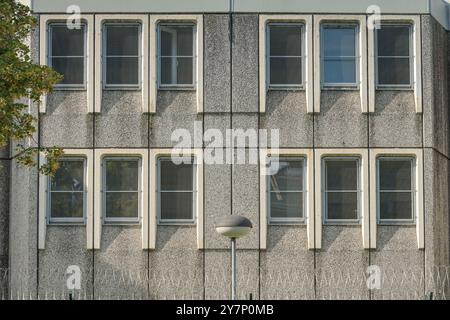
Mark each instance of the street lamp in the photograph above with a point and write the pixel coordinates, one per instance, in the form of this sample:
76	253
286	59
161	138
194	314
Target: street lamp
233	227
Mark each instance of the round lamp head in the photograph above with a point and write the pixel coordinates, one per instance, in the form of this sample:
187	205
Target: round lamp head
233	226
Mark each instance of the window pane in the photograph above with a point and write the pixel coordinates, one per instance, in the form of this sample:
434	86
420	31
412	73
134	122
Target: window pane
69	176
339	42
396	205
340	71
393	40
288	177
177	40
286	71
122	205
342	205
394	71
176	177
177	70
72	69
122	40
286	204
395	174
176	205
122	71
122	175
341	174
67	42
66	204
285	40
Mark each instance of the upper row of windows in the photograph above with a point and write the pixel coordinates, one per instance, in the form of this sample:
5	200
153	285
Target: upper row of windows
176	54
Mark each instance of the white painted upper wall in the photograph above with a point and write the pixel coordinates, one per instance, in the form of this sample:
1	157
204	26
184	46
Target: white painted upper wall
440	9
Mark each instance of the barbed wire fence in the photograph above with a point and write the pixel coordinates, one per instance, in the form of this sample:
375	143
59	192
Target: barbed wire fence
283	283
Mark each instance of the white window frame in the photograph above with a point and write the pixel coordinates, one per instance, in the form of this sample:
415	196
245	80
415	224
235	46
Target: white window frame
50	56
142	19
356	58
43	210
410	57
325	192
419	216
99	155
360	20
176	86
414	21
413	192
197	154
300	86
68	221
155	20
121	220
169	222
105	56
307	47
288	221
309	218
88	21
365	217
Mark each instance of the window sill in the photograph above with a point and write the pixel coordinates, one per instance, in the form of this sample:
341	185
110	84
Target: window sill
286	89
287	224
122	89
394	89
66	224
69	88
343	88
177	89
342	224
397	224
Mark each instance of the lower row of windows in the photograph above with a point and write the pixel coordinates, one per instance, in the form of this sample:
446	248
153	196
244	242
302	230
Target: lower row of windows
287	190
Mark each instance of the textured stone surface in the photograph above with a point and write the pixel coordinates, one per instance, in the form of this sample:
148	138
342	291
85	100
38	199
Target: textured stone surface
4	214
287	266
245	200
340	123
216	66
23	231
286	112
401	263
245	125
121	266
176	266
218	274
65	247
341	264
395	122
66	123
121	122
435	85
245	63
174	110
217	202
436	177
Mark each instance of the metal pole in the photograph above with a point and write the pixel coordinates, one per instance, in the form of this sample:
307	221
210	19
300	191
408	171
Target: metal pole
233	268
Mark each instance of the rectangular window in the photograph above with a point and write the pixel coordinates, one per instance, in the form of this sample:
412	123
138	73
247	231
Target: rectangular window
339	53
395	189
341	192
394	56
121	189
176	192
176	55
285	55
67	54
67	192
121	55
287	191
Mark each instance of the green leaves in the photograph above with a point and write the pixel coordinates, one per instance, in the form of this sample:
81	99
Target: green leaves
21	82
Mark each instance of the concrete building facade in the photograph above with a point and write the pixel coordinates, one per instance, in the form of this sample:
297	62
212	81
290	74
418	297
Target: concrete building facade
315	257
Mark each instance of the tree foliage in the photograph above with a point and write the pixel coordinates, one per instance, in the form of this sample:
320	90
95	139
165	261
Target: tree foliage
21	82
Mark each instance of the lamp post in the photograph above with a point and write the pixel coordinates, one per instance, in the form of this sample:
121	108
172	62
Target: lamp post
233	227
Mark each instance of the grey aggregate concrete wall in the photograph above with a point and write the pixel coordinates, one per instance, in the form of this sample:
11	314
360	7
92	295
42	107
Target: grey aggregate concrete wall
287	269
